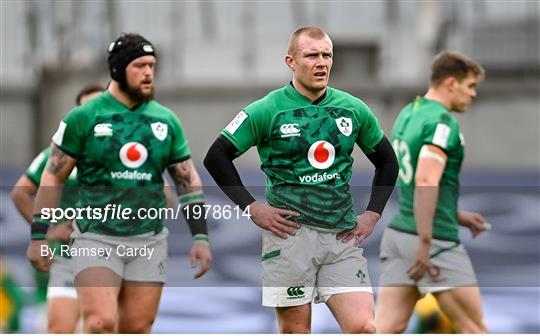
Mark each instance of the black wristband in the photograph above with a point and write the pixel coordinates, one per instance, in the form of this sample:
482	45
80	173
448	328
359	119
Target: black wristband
38	231
197	224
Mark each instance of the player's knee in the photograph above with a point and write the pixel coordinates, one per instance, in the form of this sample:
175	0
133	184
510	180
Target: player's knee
399	328
136	326
360	327
99	323
389	326
468	326
295	328
60	327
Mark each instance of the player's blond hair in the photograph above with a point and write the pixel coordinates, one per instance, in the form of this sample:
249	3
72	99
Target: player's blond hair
313	32
453	64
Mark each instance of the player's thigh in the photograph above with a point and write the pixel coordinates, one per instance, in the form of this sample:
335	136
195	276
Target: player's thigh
98	298
96	270
463	306
353	311
62	314
138	305
295	319
395	305
288	269
147	267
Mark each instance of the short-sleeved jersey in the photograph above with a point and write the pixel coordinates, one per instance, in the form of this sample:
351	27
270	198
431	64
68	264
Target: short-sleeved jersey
305	150
427	122
121	155
34	172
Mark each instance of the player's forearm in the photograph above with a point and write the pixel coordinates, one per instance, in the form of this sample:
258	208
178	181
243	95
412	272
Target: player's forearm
462	218
190	193
425	204
52	181
24	201
218	162
428	175
49	192
384	180
187	181
47	197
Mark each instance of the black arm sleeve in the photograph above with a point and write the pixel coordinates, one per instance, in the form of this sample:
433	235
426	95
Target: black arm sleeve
386	171
197	224
219	163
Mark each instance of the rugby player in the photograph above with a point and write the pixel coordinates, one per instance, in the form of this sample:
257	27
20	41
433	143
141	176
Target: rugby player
121	142
420	251
305	133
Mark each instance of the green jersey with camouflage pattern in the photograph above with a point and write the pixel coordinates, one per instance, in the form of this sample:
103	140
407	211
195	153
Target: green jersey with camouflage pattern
121	155
34	172
424	122
305	149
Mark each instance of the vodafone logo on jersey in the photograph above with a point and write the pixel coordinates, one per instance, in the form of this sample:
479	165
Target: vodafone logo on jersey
321	154
133	154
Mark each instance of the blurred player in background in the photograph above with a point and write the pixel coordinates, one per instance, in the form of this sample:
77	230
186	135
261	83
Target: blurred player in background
62	304
305	133
420	251
429	319
121	142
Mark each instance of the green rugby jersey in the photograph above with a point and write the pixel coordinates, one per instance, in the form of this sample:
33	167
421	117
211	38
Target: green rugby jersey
34	172
121	155
305	151
424	122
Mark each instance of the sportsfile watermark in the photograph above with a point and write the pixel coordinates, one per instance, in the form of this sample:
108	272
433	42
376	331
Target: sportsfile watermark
505	256
121	212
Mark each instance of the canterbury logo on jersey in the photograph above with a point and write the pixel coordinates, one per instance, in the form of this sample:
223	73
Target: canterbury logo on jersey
101	130
296	292
289	130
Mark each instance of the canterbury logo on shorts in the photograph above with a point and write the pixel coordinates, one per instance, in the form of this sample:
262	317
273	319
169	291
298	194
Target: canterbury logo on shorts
295	292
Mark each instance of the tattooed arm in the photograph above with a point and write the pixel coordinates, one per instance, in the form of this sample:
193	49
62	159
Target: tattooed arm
189	190
48	195
185	178
56	173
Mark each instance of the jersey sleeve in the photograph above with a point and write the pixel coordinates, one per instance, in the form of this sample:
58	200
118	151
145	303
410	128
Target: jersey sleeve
180	148
441	133
370	133
248	128
69	136
36	168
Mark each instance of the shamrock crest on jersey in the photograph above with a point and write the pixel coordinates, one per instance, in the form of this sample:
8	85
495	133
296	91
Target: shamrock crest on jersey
344	125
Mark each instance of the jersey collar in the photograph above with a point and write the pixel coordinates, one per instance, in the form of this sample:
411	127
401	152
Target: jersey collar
432	101
292	90
119	104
